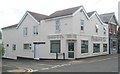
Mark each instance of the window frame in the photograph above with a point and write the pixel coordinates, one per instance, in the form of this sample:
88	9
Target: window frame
29	46
96	28
104	49
94	50
35	30
57	25
87	48
14	47
82	22
51	44
25	31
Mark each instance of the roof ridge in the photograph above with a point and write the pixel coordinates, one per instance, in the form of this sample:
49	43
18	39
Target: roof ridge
68	8
107	13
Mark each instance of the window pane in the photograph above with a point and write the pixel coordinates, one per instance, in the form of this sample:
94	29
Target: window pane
14	47
25	31
82	28
84	46
71	54
58	29
27	46
104	47
55	46
70	46
96	48
35	30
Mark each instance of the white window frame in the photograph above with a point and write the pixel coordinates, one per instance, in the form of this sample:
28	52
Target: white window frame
29	46
58	25
35	30
96	28
25	31
104	28
82	22
14	47
87	46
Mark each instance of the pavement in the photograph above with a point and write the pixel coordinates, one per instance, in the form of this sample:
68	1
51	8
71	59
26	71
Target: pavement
108	63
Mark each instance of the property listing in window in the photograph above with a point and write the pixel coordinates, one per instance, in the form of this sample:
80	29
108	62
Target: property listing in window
96	48
84	46
55	46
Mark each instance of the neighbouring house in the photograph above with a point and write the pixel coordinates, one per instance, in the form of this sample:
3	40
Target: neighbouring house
110	19
65	34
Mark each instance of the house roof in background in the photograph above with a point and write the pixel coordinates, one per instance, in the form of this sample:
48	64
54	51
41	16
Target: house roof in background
109	18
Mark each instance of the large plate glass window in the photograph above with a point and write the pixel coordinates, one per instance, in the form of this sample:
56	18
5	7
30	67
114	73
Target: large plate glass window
96	47
55	46
104	47
84	46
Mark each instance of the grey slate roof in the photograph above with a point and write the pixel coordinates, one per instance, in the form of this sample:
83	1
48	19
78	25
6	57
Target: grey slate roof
64	12
90	13
106	17
11	26
37	16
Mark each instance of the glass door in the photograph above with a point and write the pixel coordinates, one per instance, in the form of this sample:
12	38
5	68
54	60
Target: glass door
71	50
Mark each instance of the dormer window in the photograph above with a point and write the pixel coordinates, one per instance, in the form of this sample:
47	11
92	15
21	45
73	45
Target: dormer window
96	28
58	28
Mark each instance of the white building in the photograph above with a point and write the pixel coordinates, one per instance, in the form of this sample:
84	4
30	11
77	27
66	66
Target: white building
71	33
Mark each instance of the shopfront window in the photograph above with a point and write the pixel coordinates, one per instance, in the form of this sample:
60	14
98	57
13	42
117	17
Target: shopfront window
55	46
96	47
84	46
104	47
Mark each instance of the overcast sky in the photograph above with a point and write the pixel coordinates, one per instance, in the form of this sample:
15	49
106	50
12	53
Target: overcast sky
11	11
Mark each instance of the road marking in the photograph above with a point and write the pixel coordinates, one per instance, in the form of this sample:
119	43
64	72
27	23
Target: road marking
56	66
75	62
45	68
45	65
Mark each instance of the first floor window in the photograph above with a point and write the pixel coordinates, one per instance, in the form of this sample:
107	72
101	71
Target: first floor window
96	48
35	30
84	46
104	47
27	46
25	31
96	27
14	46
55	46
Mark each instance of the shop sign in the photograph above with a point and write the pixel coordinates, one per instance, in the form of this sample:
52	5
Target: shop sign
55	37
98	39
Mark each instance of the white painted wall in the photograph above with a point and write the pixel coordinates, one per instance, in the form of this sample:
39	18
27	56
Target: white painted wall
10	37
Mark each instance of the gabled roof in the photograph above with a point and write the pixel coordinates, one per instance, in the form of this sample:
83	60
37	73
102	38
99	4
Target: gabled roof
37	16
90	13
11	26
109	18
64	12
